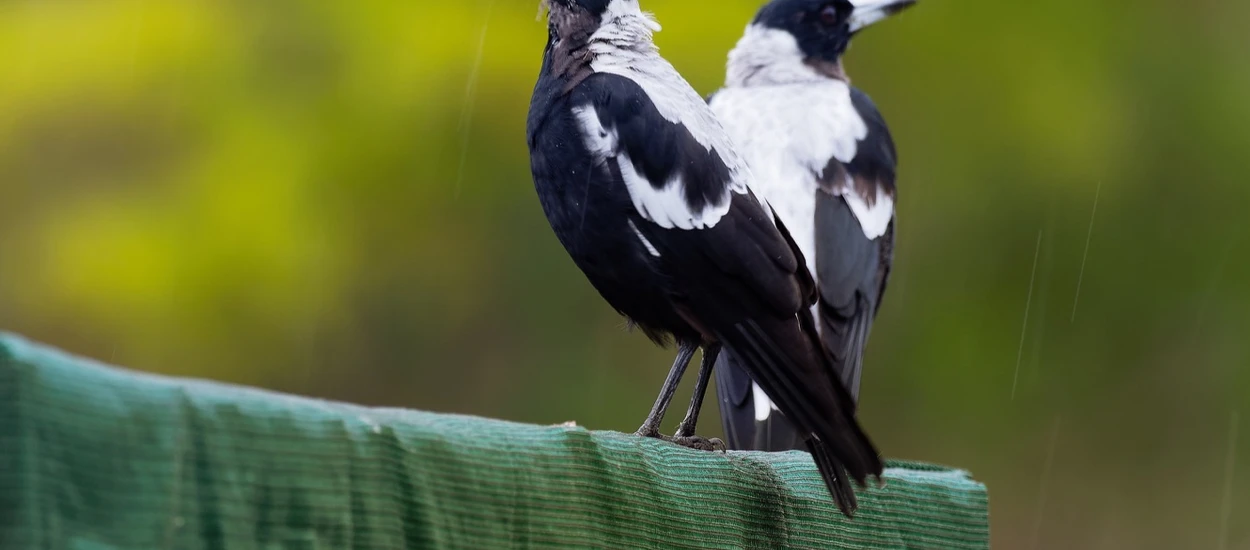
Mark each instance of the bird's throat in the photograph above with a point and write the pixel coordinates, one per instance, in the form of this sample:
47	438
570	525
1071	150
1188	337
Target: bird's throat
831	69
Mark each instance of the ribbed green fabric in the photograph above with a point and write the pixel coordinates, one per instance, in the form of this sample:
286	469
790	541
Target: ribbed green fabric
94	457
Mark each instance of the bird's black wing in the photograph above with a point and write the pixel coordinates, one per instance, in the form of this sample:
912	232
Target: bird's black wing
689	197
739	279
738	283
853	269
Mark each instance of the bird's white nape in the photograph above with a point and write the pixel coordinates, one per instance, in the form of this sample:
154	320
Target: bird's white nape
765	56
630	8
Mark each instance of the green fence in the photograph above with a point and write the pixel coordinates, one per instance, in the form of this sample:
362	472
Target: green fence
95	457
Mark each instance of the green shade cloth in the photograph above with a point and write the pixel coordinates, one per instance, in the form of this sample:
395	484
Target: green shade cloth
95	457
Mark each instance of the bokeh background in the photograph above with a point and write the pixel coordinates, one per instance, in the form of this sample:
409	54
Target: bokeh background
333	198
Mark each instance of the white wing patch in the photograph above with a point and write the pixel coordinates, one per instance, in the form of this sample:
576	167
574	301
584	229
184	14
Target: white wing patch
665	206
875	219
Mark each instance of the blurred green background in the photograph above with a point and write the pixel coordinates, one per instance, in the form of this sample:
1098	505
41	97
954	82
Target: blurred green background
334	199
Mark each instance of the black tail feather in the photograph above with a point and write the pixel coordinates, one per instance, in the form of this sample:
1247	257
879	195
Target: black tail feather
808	395
834	476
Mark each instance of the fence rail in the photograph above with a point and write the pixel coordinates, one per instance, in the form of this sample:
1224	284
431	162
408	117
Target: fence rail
93	456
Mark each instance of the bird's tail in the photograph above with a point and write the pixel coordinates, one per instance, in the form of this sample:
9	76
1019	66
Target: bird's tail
791	367
834	476
746	429
845	340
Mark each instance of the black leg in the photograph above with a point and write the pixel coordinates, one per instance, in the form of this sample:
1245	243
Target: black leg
651	427
686	429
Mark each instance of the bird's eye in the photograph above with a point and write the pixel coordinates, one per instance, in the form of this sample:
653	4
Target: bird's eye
829	16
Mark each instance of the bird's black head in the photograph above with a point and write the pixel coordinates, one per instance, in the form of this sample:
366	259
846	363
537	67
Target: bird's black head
596	7
576	19
593	9
573	24
823	28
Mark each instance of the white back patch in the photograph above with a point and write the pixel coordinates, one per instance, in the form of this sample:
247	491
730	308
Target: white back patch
788	133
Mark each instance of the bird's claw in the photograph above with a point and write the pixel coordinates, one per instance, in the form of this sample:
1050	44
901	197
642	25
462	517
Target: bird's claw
698	443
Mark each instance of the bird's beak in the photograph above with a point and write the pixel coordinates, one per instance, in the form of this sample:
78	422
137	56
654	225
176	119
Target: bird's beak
868	12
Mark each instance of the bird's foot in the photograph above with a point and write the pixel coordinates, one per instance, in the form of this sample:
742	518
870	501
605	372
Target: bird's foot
688	441
649	430
697	442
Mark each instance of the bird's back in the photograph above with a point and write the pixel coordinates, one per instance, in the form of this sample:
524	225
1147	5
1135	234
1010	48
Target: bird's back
802	141
788	134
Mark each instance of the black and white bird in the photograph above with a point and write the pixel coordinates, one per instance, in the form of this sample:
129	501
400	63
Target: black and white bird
645	190
822	156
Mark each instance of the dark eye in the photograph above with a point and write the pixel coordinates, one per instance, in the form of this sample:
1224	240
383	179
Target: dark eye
829	16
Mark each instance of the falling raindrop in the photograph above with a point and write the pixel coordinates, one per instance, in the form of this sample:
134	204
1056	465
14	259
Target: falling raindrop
1024	329
470	98
1088	236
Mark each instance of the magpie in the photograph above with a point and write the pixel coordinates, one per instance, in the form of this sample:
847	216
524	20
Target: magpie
822	156
645	190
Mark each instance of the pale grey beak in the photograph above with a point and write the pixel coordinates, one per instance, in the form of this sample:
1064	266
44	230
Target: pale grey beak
868	12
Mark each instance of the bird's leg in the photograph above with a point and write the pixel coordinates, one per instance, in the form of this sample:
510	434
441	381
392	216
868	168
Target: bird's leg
686	428
651	427
685	431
